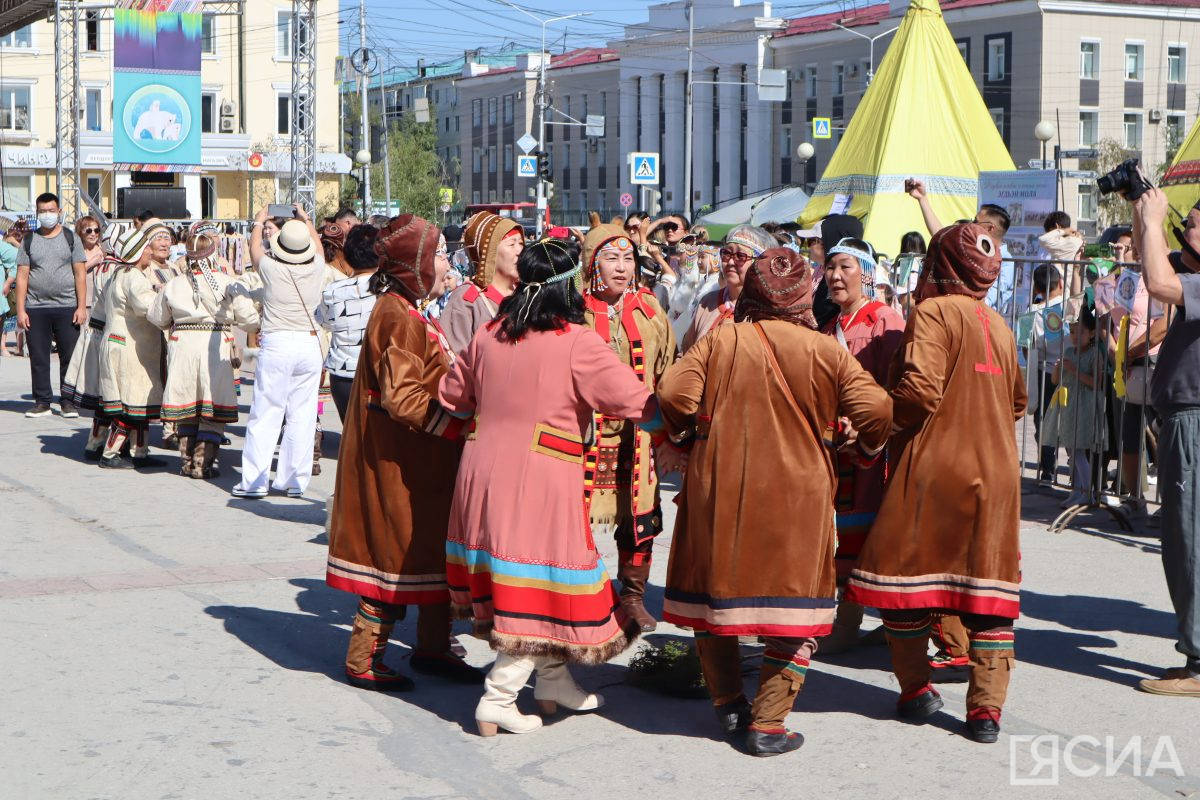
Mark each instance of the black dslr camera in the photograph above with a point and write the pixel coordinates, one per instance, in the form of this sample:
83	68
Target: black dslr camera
1127	179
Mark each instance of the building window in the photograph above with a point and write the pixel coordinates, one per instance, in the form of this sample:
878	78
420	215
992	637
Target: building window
1089	128
602	159
491	111
476	160
1176	130
208	35
1133	131
810	82
997	59
1133	61
508	158
839	80
14	108
283	34
18	192
475	197
1087	201
998	119
93	188
1089	60
476	113
583	151
22	37
208	198
491	151
208	112
91	31
566	157
93	109
508	109
492	196
283	114
964	50
1176	64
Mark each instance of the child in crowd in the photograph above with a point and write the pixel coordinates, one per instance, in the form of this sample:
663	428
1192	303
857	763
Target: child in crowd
1075	419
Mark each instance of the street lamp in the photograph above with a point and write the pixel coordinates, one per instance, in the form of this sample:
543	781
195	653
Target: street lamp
1044	131
804	152
871	39
541	101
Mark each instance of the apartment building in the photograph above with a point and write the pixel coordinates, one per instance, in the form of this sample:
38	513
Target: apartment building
246	109
1098	70
498	107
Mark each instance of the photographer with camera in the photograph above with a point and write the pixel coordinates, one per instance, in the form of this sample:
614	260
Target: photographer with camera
1175	393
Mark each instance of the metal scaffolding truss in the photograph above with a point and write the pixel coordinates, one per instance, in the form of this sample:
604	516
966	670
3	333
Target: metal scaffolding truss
66	104
304	88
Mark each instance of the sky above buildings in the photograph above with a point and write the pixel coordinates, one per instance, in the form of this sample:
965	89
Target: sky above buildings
440	30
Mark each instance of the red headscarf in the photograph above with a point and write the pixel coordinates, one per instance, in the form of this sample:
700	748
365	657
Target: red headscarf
406	247
778	285
962	259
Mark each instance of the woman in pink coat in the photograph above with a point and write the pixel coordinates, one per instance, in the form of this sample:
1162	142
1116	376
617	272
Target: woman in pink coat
520	556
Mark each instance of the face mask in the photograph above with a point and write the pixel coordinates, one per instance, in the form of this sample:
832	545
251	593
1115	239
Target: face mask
48	219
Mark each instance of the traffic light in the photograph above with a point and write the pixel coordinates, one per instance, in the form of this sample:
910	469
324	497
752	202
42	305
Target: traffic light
376	142
543	166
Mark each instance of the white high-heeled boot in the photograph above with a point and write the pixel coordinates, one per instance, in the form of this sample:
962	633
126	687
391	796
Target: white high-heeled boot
498	706
556	687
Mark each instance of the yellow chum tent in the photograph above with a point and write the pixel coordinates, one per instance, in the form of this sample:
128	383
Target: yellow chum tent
922	117
1181	181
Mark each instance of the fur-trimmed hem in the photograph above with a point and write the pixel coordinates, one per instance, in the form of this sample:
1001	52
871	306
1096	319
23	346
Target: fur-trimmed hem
461	612
572	653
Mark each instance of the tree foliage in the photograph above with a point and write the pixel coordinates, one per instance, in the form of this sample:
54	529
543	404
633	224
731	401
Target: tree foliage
416	171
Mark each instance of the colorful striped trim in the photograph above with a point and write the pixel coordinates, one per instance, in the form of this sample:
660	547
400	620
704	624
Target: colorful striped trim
206	409
386	587
993	640
556	443
547	577
867	185
899	629
786	662
115	408
954	593
115	339
750	616
441	422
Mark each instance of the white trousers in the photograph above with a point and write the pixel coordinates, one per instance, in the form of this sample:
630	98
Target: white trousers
286	383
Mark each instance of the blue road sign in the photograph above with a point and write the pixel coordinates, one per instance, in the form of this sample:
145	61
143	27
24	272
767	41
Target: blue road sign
643	169
526	166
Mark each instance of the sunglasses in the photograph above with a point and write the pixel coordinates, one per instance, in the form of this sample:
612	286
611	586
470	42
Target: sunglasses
90	230
736	257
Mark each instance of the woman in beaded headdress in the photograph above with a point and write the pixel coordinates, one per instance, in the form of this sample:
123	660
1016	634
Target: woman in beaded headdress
622	488
396	467
199	310
742	245
754	538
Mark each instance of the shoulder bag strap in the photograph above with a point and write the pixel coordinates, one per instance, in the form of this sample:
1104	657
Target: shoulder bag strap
783	384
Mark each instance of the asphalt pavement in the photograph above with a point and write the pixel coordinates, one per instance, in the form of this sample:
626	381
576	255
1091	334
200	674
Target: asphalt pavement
161	639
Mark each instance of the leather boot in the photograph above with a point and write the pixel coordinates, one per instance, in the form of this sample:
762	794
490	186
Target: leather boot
721	665
432	655
364	656
633	579
187	454
908	643
555	687
316	470
845	629
992	660
206	456
498	707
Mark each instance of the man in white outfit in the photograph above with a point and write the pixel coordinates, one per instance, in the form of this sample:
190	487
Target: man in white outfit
288	373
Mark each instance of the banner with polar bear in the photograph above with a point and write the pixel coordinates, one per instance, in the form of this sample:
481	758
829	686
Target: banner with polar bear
156	85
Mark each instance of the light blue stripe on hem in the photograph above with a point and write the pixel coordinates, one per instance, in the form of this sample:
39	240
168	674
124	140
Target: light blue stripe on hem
514	569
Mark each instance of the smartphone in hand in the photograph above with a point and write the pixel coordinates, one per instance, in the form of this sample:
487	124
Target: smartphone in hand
284	210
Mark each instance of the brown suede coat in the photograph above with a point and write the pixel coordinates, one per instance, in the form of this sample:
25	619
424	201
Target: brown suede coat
754	536
395	482
946	535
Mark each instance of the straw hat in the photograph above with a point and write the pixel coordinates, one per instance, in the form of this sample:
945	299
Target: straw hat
293	244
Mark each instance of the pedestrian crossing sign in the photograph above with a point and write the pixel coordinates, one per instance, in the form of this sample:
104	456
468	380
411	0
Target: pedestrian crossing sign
643	169
822	129
526	166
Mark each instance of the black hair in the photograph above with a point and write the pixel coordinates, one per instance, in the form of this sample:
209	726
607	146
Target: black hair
687	223
636	215
359	248
1087	317
1046	279
553	305
913	243
344	212
47	197
1055	220
145	215
999	213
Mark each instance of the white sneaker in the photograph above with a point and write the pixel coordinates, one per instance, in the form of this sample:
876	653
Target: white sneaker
247	494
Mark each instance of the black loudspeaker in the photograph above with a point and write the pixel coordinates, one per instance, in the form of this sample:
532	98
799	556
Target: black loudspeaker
163	202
